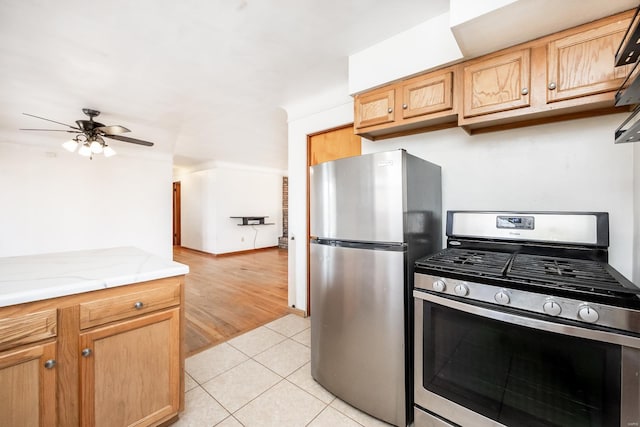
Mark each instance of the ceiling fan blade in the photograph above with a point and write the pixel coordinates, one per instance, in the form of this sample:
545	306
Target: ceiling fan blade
113	130
55	130
49	120
131	140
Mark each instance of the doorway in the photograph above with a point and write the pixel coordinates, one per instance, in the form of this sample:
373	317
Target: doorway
325	146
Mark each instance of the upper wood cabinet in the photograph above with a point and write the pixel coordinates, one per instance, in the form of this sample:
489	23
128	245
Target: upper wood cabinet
582	64
409	106
497	84
375	108
569	74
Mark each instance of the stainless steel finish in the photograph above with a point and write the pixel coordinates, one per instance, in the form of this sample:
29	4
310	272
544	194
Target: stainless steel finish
390	110
444	407
552	86
549	227
424	419
530	322
625	319
405	106
524	91
138	305
357	342
359	198
372	217
630	388
86	352
50	364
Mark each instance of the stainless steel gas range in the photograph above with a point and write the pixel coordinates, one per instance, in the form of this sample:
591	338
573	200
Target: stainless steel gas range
520	321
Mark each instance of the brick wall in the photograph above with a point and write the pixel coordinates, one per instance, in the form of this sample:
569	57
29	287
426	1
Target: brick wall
283	241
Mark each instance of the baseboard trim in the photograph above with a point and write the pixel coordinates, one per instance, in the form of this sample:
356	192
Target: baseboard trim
244	252
297	311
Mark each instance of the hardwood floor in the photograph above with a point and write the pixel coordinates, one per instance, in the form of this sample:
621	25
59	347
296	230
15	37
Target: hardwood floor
228	295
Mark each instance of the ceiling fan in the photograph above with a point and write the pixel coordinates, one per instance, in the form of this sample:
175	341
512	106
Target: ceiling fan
90	135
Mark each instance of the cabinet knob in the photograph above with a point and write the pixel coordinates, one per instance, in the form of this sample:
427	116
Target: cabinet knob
138	305
390	110
405	106
49	364
86	352
552	86
524	91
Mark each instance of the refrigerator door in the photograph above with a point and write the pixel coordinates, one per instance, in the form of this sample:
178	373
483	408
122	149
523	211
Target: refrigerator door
359	198
357	327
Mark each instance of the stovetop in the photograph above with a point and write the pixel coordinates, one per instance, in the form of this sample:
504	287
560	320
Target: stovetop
545	273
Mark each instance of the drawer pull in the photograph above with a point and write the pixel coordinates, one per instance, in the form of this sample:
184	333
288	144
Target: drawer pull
86	352
390	110
50	364
552	86
524	91
138	305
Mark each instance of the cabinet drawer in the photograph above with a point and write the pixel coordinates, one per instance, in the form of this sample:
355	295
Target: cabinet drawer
24	329
106	310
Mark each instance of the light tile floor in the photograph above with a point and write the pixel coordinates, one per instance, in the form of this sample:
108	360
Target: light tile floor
263	378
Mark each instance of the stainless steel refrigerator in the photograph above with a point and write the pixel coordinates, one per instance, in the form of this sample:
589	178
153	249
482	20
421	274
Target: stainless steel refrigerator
372	216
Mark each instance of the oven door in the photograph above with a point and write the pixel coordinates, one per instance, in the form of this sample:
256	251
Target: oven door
485	365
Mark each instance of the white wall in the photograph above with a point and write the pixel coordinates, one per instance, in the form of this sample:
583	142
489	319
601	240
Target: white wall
565	166
53	201
427	45
210	196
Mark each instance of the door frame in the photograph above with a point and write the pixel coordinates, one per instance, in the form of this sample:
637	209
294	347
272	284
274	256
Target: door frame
177	227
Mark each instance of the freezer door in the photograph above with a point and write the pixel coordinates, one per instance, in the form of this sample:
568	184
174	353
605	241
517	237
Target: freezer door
359	198
357	328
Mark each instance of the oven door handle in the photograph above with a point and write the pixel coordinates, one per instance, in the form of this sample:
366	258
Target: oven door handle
530	322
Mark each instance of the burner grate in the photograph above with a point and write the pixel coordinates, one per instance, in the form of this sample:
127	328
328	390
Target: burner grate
483	263
564	272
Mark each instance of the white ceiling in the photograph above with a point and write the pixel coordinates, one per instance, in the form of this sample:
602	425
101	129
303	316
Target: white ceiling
203	79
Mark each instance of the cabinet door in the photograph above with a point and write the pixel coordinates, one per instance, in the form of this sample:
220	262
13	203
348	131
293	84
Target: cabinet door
374	108
427	95
497	84
582	64
27	387
130	371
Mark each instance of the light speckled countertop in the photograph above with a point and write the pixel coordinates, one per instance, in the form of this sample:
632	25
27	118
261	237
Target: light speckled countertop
37	277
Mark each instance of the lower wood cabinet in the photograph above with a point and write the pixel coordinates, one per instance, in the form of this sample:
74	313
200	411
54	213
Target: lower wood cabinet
112	357
130	371
28	386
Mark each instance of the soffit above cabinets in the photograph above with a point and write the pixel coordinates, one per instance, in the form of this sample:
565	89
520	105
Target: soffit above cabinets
483	27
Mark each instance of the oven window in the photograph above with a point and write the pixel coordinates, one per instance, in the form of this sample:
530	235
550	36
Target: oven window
520	376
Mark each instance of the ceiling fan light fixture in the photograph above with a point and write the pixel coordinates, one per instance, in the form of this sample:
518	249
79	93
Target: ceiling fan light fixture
85	150
70	145
95	146
108	151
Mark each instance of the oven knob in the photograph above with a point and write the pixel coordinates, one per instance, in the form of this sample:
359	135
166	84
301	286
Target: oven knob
461	290
588	314
439	286
502	297
552	308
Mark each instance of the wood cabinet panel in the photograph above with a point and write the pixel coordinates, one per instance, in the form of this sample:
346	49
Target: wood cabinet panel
426	96
374	108
132	376
582	64
332	145
101	311
27	388
27	328
497	84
